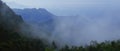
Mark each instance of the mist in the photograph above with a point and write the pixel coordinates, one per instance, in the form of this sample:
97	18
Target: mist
98	24
91	25
76	23
81	30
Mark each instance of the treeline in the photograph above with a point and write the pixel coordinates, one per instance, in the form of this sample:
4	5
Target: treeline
94	46
13	41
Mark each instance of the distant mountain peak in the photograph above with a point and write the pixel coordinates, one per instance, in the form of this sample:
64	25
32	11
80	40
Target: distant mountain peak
40	16
34	14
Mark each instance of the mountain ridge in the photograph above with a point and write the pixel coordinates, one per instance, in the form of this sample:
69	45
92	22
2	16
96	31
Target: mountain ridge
33	14
40	17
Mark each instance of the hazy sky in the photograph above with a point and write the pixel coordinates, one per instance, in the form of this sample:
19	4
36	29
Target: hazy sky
61	4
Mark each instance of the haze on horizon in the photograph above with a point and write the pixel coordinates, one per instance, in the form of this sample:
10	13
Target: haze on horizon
75	30
60	7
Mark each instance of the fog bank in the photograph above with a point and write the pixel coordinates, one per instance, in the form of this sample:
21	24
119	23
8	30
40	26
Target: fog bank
97	25
91	25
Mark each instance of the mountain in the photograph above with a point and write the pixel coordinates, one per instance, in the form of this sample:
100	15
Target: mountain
10	23
11	35
40	17
8	19
34	15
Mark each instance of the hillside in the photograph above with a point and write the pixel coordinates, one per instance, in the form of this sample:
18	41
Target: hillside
8	19
12	39
34	15
9	22
40	17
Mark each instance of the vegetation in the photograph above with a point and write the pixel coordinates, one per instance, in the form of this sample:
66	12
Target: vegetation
104	46
15	42
11	40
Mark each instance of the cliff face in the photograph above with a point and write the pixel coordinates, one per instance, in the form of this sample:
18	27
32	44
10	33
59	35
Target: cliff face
8	19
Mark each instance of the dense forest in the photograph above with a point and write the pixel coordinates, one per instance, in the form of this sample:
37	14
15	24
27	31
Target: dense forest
12	40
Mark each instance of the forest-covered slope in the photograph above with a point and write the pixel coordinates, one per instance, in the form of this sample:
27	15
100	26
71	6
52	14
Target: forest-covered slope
12	40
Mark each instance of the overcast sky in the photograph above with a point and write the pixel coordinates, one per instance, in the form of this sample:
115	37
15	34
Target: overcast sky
61	4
